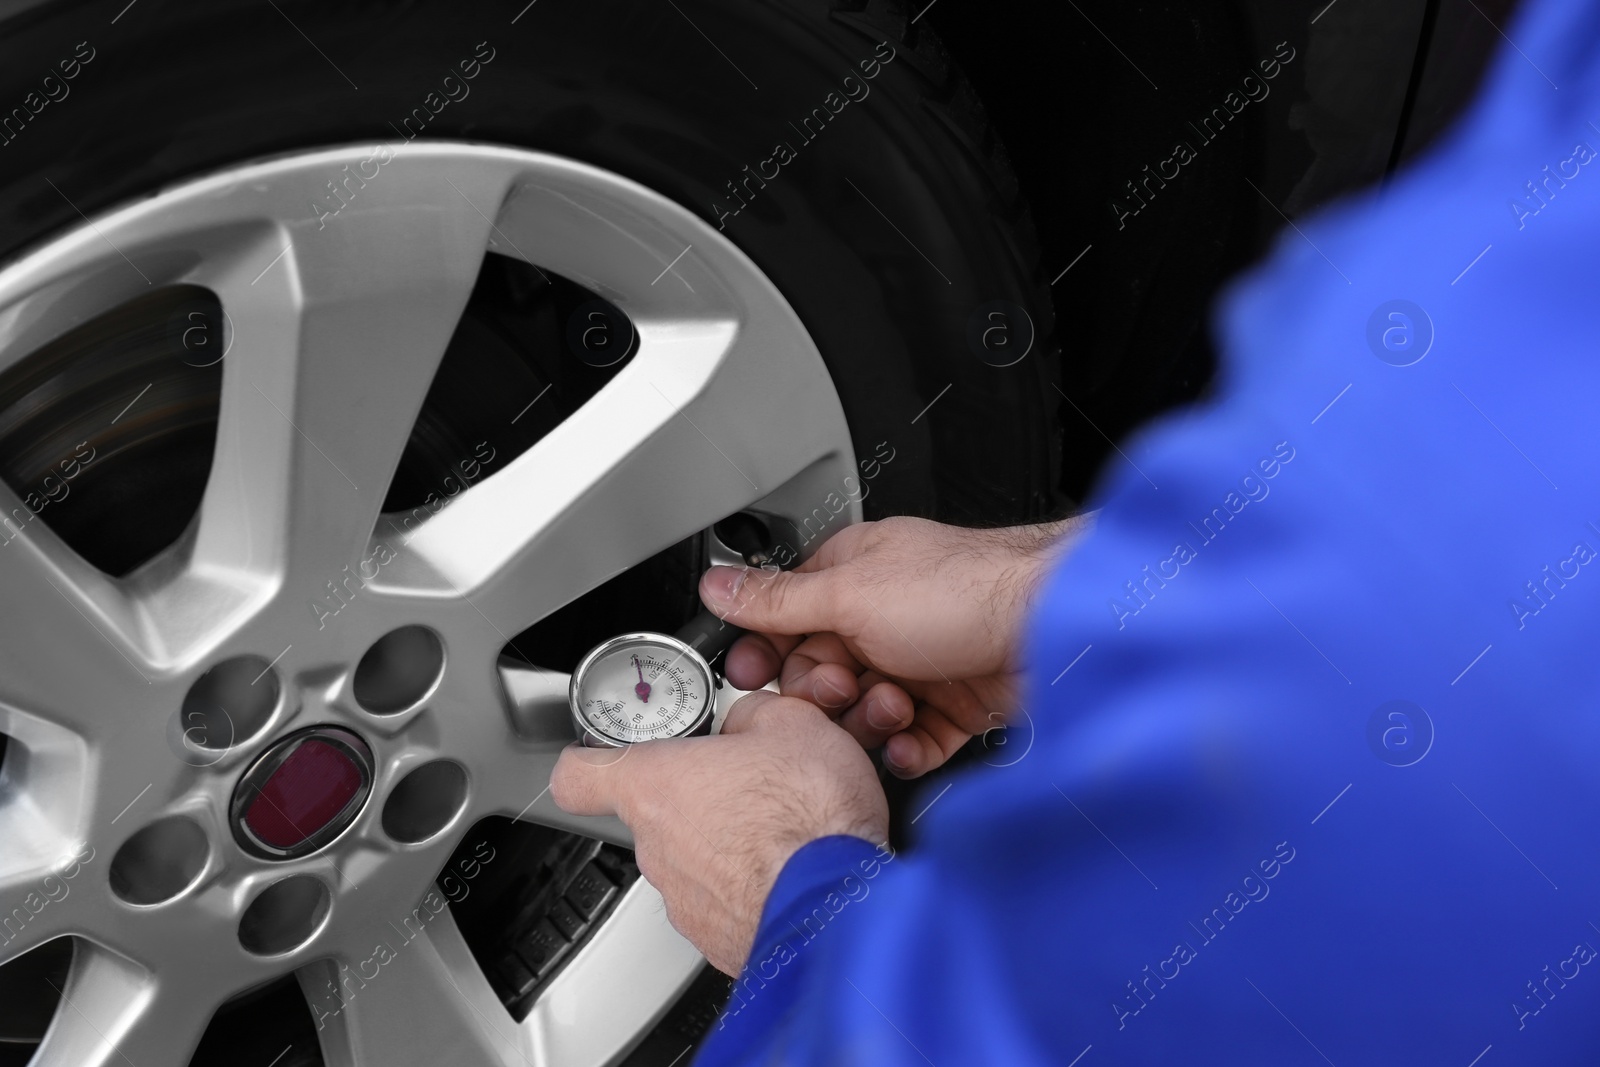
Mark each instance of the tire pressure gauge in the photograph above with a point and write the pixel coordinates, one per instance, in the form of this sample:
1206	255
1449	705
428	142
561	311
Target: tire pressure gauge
649	686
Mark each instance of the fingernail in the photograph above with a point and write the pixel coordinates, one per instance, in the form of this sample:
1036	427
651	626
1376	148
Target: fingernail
722	584
881	717
836	697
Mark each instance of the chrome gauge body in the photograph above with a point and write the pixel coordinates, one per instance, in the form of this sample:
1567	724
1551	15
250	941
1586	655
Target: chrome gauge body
641	687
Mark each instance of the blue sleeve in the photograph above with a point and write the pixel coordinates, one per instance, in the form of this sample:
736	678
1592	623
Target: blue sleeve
1306	772
818	884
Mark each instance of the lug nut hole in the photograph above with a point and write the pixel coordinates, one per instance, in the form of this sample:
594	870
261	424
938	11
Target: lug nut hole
425	801
226	706
284	916
160	861
399	670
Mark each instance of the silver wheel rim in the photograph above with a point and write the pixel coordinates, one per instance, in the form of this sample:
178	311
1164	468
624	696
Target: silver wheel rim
337	325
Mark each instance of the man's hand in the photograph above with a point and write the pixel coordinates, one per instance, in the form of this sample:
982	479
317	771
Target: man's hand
913	627
714	819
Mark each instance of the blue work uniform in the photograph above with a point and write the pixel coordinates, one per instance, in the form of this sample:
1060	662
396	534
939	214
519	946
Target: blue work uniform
1309	766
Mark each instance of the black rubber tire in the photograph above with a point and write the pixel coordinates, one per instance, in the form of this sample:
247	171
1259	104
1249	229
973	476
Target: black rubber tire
656	92
897	233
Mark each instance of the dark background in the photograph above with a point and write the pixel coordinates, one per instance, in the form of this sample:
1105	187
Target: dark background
1371	85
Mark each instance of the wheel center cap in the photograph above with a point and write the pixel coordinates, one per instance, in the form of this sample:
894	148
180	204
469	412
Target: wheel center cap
301	793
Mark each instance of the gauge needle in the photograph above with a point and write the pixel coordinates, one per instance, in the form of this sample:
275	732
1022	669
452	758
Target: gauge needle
643	688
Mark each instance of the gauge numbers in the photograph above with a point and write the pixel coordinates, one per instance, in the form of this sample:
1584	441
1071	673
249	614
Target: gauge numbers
641	687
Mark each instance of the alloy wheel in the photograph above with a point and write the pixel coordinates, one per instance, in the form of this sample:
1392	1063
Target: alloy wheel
335	324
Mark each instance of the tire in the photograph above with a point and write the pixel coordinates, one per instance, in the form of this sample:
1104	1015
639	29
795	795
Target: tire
889	298
892	224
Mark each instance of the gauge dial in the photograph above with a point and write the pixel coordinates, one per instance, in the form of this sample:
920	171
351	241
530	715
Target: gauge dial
641	687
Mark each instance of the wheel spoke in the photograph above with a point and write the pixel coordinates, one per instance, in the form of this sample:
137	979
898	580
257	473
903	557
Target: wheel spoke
725	403
73	646
418	999
612	989
333	350
512	763
115	1014
686	434
36	898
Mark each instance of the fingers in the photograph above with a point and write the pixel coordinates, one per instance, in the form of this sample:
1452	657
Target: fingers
776	602
755	659
883	710
926	744
821	670
876	712
830	686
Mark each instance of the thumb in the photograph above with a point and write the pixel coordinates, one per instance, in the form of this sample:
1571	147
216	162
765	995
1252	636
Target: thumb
774	602
585	781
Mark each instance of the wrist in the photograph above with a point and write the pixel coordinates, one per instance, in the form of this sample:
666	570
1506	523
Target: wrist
1032	552
834	866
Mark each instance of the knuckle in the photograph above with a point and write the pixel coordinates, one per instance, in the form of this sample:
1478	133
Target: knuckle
645	809
747	708
565	784
849	609
774	595
787	711
762	717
